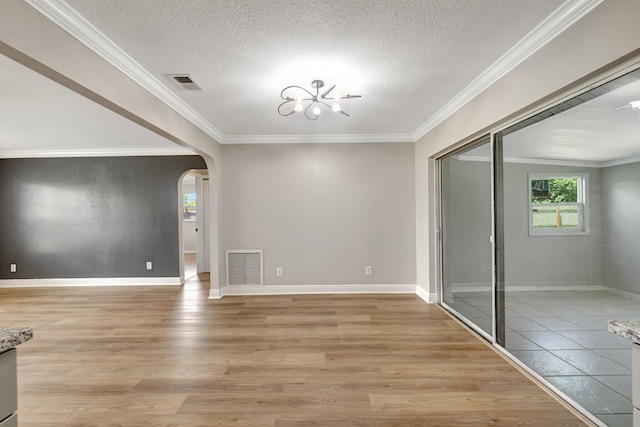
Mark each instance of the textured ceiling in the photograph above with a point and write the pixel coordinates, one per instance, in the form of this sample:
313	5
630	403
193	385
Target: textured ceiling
407	58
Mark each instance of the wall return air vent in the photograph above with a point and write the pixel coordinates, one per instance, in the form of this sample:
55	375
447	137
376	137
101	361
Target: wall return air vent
244	267
184	81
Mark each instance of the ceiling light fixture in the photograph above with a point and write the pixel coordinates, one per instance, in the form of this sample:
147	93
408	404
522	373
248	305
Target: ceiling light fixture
312	110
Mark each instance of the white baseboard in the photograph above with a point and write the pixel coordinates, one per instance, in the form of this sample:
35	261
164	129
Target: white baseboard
311	289
189	252
620	292
106	281
485	287
429	298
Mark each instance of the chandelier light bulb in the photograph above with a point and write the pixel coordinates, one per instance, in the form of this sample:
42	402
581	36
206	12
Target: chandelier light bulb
297	99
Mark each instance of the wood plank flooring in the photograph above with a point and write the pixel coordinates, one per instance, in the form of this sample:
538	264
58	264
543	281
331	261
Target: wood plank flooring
168	357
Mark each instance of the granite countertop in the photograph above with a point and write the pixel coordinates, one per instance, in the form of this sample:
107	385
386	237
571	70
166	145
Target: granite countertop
627	328
11	337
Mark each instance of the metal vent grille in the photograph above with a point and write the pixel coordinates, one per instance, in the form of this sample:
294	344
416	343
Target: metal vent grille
244	267
185	81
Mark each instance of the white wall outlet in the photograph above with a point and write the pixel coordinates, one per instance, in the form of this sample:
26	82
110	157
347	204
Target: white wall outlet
367	270
149	265
279	271
14	268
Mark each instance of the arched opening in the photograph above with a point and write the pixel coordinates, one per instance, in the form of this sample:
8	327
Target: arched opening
193	224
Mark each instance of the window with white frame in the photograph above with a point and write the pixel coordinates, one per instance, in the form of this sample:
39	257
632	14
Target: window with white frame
189	206
558	204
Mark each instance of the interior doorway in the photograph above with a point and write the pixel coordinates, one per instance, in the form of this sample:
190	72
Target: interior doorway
194	206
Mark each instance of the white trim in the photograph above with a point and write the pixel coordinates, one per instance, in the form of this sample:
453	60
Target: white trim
215	294
620	162
90	281
76	25
314	289
529	287
533	161
561	19
425	295
321	138
623	293
25	154
584	216
190	252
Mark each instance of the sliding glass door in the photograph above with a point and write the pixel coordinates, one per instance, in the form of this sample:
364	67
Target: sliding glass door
562	189
466	231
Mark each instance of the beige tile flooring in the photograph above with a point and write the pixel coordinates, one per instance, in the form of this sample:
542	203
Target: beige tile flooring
563	336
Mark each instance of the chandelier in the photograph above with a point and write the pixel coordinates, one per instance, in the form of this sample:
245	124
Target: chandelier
297	97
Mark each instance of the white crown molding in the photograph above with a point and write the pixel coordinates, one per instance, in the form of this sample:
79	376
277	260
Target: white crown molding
561	19
24	154
323	138
533	161
90	281
75	24
620	162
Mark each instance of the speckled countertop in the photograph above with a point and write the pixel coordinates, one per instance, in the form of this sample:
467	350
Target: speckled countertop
627	328
11	337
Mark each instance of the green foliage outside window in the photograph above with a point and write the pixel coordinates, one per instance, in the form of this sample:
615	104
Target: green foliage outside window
189	205
560	190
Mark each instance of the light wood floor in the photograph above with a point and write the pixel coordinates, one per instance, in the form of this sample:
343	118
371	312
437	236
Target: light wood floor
167	356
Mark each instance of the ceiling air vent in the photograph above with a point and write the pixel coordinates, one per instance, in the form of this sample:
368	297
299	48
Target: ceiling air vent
184	81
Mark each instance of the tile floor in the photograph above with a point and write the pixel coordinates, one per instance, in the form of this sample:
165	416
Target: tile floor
563	336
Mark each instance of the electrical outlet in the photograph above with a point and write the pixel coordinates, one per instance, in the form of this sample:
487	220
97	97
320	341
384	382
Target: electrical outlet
367	270
14	268
279	271
149	265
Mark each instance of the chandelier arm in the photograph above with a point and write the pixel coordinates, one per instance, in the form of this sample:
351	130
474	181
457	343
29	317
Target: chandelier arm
306	112
324	95
280	106
296	87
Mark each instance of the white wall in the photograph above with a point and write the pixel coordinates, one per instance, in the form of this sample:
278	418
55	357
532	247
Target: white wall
323	211
529	260
621	223
548	260
603	37
188	227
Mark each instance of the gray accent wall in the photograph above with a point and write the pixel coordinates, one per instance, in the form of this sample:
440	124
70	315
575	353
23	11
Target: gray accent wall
621	226
322	212
91	217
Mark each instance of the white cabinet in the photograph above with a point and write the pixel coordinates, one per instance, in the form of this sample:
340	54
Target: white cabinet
12	421
8	389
